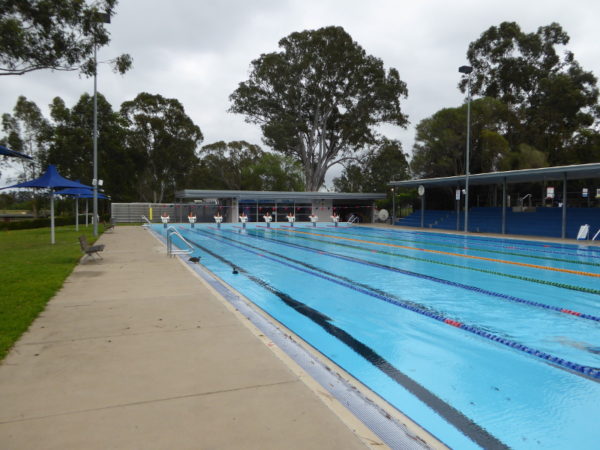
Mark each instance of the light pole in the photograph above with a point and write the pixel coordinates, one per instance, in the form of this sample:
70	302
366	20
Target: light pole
467	70
102	18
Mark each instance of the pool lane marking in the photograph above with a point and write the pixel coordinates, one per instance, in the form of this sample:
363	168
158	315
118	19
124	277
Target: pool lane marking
476	269
452	415
503	261
479	249
589	372
482	239
435	279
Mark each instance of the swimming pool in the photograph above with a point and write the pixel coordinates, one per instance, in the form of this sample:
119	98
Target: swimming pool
484	342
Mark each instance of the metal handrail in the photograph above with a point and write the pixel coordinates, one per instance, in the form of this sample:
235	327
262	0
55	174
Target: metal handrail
144	218
172	231
522	200
352	219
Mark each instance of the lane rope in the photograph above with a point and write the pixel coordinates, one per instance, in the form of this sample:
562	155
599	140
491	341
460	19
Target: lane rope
476	269
442	281
448	412
578	369
518	242
482	258
438	244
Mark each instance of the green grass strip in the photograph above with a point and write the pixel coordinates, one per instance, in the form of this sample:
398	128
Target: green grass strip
491	272
33	270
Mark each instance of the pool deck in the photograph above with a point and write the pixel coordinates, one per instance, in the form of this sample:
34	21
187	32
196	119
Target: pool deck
136	351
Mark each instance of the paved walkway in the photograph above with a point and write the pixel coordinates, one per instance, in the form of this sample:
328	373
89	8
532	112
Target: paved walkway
136	352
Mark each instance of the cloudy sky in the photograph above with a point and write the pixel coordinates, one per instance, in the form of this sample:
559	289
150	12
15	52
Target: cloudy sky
198	51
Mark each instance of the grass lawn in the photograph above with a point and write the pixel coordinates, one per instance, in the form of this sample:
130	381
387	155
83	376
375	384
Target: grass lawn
32	270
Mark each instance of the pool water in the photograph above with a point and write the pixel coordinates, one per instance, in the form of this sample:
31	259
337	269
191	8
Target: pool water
485	342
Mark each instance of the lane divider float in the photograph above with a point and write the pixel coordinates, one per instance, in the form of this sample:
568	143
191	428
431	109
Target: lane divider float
592	373
502	261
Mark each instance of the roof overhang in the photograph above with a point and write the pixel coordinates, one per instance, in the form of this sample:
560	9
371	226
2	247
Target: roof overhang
575	172
196	194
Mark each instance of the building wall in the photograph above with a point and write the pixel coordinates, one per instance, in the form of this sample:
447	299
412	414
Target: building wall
323	209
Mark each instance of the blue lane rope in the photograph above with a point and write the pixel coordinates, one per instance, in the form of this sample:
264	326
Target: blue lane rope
458	266
452	415
439	280
590	372
443	243
483	239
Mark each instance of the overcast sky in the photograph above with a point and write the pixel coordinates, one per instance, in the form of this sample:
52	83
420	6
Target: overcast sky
198	51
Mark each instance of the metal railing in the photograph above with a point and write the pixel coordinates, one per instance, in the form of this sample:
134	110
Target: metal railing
174	250
353	219
146	220
522	200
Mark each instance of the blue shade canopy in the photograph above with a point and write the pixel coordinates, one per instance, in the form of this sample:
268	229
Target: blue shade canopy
50	179
8	152
80	192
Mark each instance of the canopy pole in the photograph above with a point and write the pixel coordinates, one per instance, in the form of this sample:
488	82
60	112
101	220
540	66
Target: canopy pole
564	207
76	213
52	240
504	205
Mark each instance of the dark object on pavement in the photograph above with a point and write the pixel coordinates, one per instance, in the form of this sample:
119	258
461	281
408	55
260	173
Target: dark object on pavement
195	259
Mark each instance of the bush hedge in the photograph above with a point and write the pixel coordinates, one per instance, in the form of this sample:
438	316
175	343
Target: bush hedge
27	224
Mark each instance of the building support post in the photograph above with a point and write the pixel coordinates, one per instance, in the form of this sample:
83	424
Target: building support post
504	205
564	207
423	210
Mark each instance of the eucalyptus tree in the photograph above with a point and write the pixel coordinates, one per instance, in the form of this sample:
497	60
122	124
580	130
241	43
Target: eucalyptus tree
239	165
160	130
382	163
26	131
439	149
54	34
320	99
552	98
71	147
226	165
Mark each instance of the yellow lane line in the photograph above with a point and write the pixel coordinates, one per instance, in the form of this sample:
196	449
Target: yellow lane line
514	263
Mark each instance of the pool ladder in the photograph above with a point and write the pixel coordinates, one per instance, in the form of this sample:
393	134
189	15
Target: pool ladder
147	222
353	219
173	250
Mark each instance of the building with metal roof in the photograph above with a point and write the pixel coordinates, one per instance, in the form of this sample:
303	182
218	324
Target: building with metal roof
558	173
303	204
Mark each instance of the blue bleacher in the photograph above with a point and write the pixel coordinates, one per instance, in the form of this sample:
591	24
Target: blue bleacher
543	222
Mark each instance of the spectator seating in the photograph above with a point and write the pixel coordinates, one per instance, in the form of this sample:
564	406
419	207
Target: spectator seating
541	222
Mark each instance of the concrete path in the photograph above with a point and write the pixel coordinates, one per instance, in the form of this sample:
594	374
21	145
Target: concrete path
136	352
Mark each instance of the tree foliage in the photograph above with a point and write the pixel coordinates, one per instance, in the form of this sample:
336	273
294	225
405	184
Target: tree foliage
26	131
160	129
551	97
71	146
440	142
382	163
319	99
54	34
239	165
